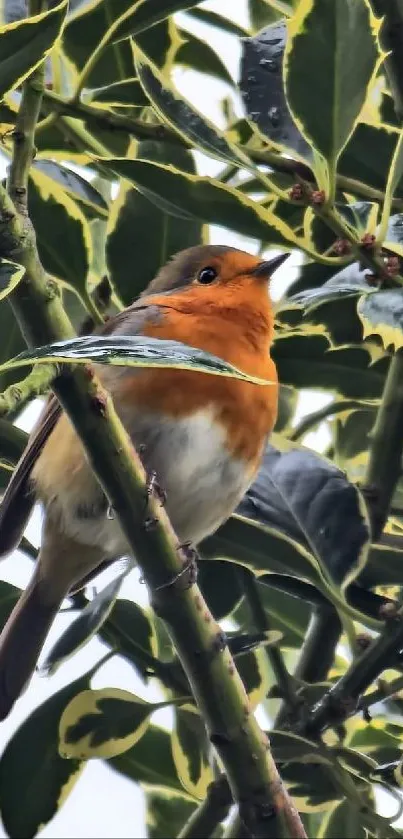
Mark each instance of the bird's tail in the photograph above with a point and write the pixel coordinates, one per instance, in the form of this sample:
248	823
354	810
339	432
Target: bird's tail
22	639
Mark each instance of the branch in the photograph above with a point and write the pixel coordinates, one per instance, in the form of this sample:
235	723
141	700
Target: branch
210	813
35	384
53	103
242	746
259	615
312	420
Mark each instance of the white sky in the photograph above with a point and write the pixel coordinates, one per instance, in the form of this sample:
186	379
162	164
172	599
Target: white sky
103	803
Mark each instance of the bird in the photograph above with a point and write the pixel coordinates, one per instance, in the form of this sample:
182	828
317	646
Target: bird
202	436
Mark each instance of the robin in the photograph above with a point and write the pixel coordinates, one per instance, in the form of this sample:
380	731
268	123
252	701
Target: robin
203	436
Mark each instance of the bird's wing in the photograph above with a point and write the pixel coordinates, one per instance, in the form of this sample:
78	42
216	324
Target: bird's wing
18	499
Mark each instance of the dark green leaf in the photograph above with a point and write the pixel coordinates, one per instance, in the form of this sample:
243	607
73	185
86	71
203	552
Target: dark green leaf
10	276
382	314
177	112
140	764
62	230
24	44
198	55
216	20
165	807
343	820
83	33
368	153
141	16
142	235
11	344
75	185
117	94
221	586
308	361
193	197
340	37
190	753
132	630
309	500
34	779
84	626
262	88
341	285
133	351
12	444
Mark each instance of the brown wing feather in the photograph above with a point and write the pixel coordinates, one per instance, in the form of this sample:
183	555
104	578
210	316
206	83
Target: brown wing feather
18	499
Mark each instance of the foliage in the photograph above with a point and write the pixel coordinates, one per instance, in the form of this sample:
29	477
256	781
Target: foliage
312	560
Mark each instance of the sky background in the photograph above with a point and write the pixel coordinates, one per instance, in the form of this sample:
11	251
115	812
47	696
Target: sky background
104	803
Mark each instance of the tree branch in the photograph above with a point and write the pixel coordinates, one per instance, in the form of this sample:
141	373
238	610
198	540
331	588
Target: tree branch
211	812
53	103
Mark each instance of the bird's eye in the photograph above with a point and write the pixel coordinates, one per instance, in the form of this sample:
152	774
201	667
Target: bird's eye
207	275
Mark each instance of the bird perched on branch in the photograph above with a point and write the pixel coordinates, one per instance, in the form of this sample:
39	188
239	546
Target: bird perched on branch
202	435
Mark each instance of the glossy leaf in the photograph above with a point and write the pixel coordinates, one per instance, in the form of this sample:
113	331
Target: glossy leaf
12	444
194	197
62	231
341	38
382	314
102	723
262	88
34	779
394	178
142	236
24	44
173	109
84	627
309	500
142	16
189	751
75	185
368	154
134	351
333	289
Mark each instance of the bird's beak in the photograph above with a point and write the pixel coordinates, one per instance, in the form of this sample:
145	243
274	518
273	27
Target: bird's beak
267	268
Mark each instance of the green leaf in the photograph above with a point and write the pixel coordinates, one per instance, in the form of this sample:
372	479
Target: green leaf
85	30
217	20
166	808
221	586
368	154
12	444
194	197
336	287
177	112
140	764
382	314
343	820
142	15
10	276
24	44
262	89
198	55
132	630
83	627
103	723
134	351
12	343
141	234
309	500
118	94
76	186
394	178
34	779
308	361
340	38
62	231
190	754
